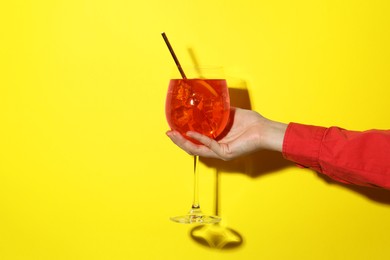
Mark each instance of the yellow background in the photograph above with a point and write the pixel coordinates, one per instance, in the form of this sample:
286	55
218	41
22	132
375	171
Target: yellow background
86	171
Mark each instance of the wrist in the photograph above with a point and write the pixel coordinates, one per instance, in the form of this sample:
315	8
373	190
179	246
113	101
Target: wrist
274	135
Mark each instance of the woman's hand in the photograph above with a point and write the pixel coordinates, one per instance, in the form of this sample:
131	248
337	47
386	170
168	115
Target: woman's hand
247	132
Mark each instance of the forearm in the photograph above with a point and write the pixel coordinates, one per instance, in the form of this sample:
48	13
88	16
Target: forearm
360	158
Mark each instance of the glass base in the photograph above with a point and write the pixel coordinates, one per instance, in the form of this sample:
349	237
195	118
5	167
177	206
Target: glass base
196	216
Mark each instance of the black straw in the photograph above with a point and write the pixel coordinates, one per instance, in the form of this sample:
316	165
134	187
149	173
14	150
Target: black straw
183	75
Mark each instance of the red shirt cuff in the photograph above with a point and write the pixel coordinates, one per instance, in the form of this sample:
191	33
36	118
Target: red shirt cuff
302	144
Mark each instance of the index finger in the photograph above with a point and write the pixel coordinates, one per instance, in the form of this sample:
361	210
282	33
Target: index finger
190	147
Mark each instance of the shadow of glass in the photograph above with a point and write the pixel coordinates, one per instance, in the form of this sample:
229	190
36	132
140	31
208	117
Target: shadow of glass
219	236
216	236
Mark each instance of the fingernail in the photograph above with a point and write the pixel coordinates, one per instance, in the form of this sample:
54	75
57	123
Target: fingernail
170	133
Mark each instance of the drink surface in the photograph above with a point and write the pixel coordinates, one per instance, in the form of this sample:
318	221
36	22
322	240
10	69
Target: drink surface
200	105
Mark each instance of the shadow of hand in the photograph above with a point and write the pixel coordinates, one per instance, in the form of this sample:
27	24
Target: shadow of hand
253	165
375	194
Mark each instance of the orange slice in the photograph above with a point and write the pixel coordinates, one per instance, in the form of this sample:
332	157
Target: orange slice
209	88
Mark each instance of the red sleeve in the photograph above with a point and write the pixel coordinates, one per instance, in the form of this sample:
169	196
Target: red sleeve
361	158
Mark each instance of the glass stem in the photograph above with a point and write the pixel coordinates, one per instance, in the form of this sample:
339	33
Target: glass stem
195	203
